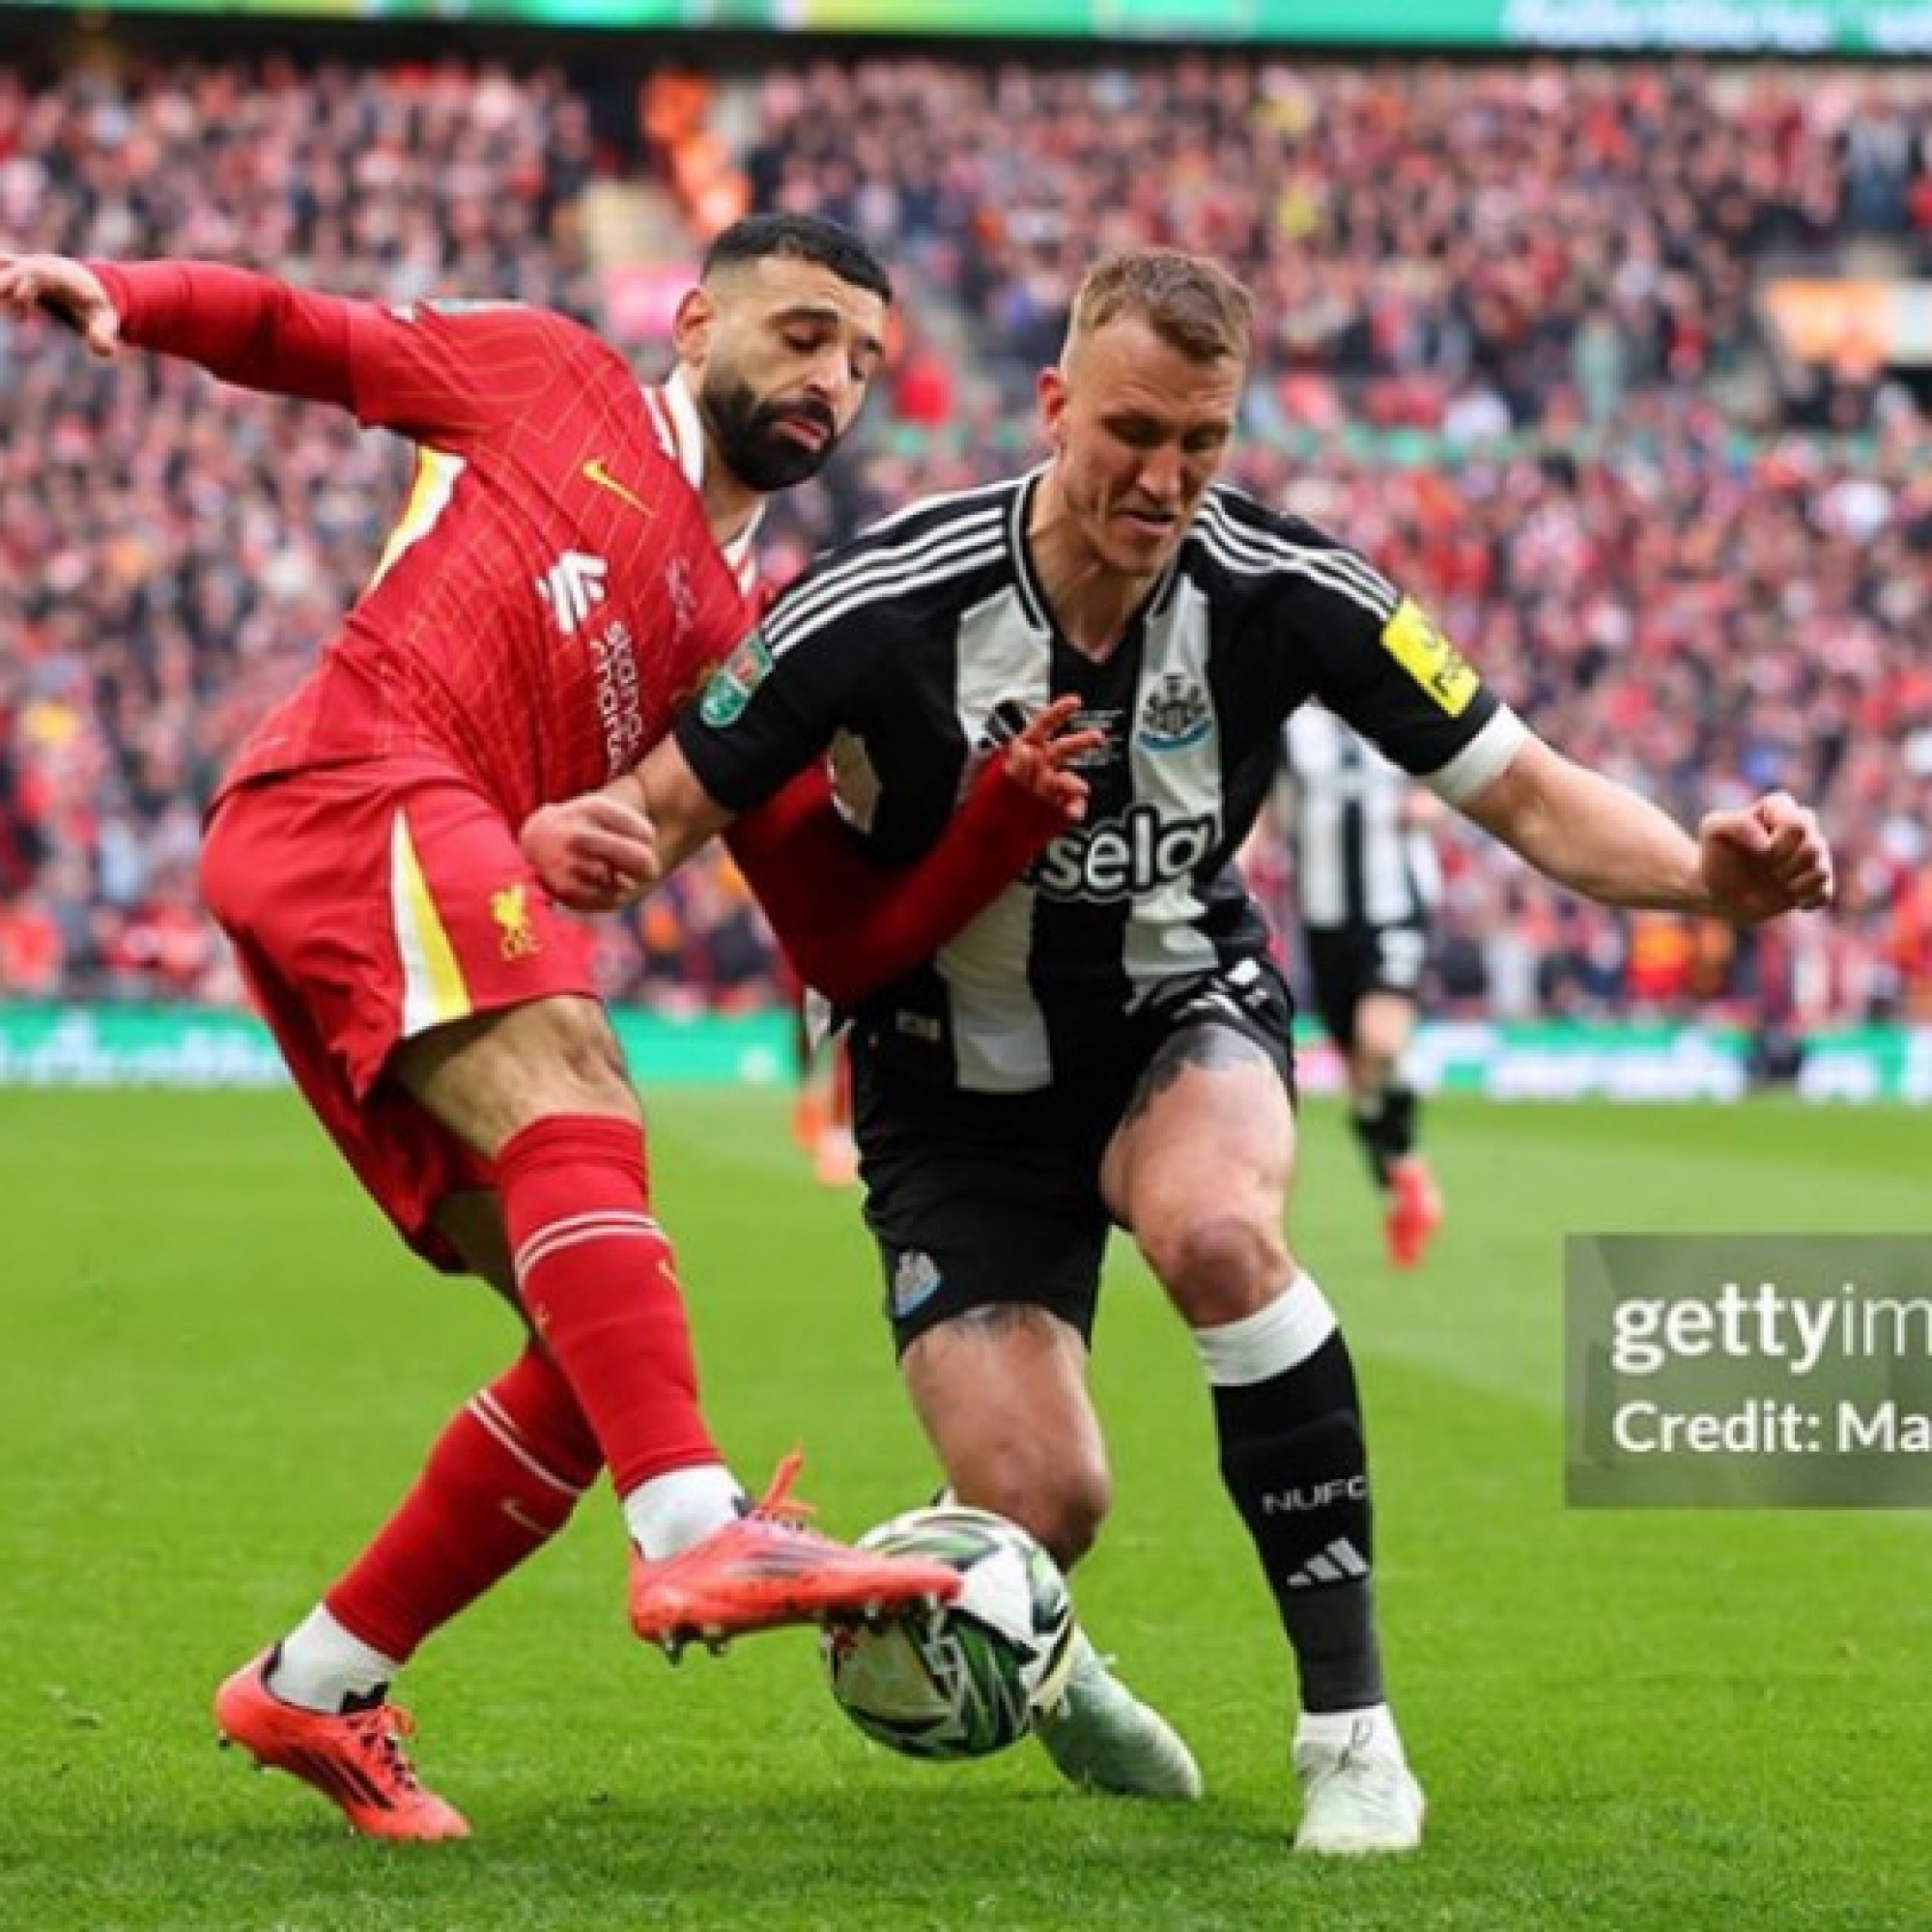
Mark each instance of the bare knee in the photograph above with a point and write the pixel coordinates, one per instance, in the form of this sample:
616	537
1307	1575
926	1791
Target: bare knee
1002	1391
1063	1507
578	1066
1217	1264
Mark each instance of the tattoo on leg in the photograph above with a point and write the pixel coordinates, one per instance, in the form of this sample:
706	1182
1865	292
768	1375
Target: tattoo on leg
1211	1047
997	1318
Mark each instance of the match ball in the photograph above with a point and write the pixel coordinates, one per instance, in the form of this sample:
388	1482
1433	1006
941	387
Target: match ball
964	1680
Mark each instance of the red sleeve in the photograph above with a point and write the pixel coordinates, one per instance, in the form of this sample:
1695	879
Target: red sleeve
849	926
436	369
427	370
248	328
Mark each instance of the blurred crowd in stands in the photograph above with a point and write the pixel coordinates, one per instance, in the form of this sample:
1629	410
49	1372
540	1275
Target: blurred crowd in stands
1511	348
1477	247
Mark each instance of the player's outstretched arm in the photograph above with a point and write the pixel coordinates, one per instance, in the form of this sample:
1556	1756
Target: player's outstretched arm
1611	843
850	926
244	327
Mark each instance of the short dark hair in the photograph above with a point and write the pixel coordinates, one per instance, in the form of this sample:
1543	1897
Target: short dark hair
804	237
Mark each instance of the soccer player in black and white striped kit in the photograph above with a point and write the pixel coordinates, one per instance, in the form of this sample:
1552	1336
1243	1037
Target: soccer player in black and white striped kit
1366	887
1106	1045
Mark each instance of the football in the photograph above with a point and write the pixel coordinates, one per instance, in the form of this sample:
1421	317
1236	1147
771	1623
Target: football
965	1680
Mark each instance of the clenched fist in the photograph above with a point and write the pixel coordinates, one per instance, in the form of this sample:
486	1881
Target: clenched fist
592	853
1765	858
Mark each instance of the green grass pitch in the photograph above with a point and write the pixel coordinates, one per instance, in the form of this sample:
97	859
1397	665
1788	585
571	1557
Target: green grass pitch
216	1371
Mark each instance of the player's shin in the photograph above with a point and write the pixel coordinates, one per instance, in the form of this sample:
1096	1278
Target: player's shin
597	1276
1385	1125
1293	1458
502	1479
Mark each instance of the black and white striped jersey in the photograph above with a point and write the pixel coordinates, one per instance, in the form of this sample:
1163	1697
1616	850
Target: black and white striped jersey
1359	859
913	650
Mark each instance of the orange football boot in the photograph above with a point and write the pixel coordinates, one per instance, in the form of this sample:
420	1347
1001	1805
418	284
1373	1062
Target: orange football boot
768	1570
1415	1211
357	1760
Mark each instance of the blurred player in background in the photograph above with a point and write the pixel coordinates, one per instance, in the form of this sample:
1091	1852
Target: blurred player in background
1108	1045
569	568
821	1120
1366	887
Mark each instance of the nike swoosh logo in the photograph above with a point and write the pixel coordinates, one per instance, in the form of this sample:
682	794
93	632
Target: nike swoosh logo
523	1518
595	472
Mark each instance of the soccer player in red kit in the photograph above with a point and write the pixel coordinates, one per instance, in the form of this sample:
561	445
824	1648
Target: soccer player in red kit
566	573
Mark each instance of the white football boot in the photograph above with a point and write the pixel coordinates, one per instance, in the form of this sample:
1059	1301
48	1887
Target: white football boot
1357	1793
1101	1737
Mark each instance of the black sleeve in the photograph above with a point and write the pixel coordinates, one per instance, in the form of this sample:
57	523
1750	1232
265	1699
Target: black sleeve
777	703
1379	660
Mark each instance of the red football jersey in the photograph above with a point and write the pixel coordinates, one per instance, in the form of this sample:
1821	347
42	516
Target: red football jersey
552	591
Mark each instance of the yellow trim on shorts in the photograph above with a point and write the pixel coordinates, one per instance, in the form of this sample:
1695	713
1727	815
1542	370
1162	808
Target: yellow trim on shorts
434	990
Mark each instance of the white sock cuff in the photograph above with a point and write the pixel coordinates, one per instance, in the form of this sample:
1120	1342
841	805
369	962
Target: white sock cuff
1370	1724
322	1664
1272	1340
670	1513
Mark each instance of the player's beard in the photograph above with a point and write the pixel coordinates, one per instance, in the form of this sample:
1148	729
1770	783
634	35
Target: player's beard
755	447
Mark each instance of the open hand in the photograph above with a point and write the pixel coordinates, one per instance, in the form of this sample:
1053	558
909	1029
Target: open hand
1041	758
68	291
1766	858
592	853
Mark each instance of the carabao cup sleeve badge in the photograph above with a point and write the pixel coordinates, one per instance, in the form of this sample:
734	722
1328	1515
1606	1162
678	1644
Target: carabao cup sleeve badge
731	686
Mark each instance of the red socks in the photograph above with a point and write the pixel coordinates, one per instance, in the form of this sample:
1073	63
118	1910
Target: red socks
614	1383
598	1280
500	1482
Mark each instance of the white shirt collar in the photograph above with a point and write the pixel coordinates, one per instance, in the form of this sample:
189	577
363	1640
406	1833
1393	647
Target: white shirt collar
680	434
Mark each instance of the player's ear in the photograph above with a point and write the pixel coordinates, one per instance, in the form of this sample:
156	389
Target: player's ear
692	326
1051	389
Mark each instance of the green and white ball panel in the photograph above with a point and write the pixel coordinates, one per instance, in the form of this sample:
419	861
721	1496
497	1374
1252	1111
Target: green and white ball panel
929	1687
965	1680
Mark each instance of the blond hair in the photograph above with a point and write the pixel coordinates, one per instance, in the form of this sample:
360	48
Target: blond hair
1193	305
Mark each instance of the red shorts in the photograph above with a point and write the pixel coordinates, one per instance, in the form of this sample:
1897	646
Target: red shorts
369	903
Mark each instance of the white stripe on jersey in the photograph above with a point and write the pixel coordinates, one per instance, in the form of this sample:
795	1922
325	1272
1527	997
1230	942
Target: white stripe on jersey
839	592
1182	782
1254	553
999	1031
940	500
978	528
1250	552
1262	539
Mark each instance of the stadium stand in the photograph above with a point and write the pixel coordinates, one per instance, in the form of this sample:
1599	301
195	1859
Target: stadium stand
1565	425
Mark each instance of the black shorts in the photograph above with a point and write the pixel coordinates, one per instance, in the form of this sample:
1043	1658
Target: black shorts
976	1198
1346	963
